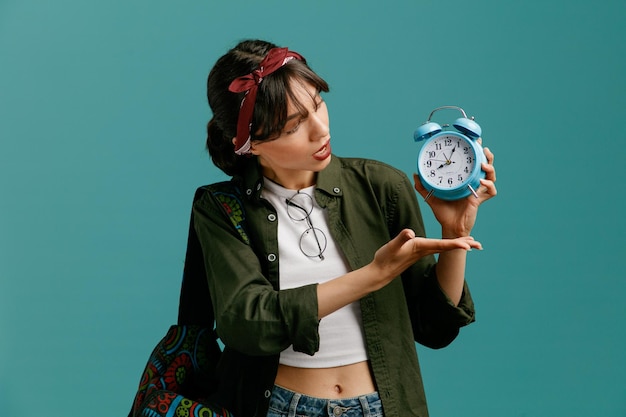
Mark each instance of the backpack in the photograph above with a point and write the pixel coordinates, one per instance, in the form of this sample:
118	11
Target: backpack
180	375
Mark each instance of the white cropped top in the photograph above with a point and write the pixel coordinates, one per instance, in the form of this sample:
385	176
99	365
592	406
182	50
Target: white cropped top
341	333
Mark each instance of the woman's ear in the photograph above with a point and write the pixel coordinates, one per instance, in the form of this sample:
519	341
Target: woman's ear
254	150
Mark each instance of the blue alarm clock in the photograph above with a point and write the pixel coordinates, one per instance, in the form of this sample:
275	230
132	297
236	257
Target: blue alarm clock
449	161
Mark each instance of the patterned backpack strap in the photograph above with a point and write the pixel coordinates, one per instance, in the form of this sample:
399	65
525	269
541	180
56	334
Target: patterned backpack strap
229	196
180	376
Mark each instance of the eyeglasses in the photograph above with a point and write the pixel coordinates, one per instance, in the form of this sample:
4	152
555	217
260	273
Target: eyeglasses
312	241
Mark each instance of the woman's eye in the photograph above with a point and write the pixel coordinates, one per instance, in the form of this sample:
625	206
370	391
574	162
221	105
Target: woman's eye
295	128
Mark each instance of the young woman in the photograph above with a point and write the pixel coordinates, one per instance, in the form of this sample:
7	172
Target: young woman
319	312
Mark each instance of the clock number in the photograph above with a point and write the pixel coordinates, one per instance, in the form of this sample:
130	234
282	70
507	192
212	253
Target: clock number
465	150
431	154
460	178
429	163
448	142
469	159
450	181
432	173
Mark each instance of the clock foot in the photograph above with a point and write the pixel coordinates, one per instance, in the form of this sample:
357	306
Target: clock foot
472	190
429	194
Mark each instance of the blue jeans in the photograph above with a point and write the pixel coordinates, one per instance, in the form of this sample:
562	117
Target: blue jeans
286	403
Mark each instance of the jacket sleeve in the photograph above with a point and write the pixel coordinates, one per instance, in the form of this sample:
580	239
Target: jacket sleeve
434	318
251	316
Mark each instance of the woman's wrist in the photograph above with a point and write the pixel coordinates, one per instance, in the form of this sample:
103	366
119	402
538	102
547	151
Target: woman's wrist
452	233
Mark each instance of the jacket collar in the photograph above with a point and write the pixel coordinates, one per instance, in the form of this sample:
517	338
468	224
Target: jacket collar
329	180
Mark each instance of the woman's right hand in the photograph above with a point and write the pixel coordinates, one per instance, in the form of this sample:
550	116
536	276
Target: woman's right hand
405	249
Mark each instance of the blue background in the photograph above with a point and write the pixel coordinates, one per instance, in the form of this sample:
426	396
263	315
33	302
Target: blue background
102	122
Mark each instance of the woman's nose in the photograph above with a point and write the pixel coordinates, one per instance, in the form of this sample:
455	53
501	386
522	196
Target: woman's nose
319	127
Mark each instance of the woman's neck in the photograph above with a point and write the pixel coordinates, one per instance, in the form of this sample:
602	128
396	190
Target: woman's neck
293	180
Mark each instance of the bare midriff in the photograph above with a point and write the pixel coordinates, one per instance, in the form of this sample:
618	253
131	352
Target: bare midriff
338	382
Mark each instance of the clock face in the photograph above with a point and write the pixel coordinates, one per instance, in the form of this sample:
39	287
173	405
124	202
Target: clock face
447	161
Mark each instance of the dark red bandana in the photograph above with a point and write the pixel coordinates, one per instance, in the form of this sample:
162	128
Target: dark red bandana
275	58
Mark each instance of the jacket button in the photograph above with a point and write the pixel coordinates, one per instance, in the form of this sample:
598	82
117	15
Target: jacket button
271	217
268	393
336	190
271	257
249	191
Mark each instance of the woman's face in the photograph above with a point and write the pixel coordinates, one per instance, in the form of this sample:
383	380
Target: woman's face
303	147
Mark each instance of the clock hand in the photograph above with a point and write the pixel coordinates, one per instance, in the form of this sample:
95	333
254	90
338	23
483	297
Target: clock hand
444	163
449	160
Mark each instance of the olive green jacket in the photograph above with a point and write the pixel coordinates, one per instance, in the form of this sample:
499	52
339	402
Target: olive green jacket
368	203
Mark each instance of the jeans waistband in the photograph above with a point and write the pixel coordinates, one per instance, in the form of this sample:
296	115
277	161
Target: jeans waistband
288	403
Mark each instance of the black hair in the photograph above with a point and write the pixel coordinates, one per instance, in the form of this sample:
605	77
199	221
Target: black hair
270	109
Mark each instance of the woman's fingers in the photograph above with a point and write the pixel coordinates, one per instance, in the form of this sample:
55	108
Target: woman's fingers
489	155
490	170
432	246
488	186
405	247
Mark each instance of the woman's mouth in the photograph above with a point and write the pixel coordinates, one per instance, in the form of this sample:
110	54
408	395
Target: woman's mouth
323	153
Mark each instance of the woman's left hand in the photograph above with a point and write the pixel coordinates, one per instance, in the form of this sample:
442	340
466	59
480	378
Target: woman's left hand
457	217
